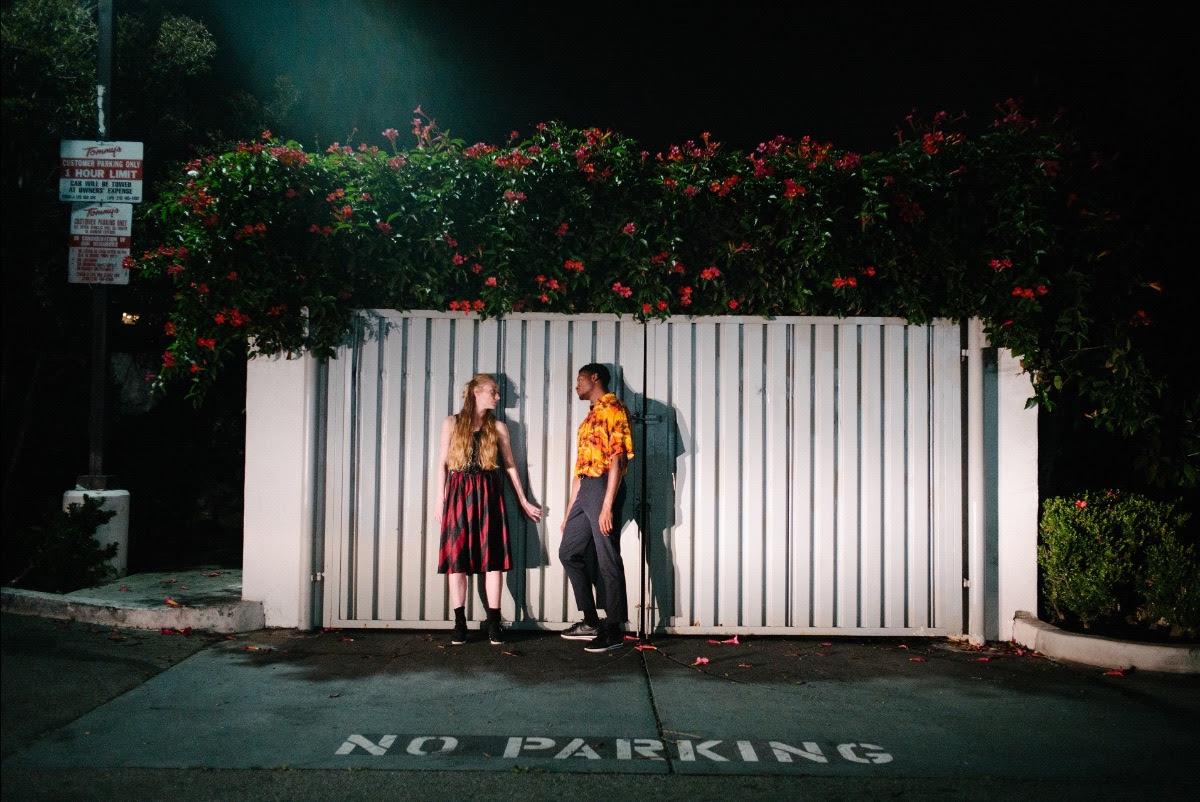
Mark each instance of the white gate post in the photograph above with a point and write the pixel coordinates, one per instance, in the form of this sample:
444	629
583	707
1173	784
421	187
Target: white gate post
1016	492
280	431
975	491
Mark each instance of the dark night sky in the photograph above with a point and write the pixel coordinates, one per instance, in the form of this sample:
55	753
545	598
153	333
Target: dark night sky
664	72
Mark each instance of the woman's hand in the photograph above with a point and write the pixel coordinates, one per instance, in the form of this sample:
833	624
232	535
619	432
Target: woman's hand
532	510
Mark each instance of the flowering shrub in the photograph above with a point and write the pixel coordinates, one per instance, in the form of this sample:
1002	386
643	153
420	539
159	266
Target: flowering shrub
1109	555
271	245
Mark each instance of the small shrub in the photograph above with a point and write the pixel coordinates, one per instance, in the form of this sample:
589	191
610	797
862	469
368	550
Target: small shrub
1093	548
1170	585
64	554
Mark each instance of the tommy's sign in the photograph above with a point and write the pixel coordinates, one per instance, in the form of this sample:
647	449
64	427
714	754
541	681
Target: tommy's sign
685	750
100	171
101	235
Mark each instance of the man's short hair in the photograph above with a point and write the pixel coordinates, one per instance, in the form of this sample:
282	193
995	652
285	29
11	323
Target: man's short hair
599	371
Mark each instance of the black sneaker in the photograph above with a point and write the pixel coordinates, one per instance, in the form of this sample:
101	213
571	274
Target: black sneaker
580	631
495	634
459	635
606	641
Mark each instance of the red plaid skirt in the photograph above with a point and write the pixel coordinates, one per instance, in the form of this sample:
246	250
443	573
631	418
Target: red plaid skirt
474	531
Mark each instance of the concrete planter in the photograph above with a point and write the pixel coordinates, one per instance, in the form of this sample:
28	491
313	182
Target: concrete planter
1097	650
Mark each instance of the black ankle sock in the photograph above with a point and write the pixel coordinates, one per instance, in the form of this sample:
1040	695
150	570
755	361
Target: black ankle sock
493	614
591	619
460	615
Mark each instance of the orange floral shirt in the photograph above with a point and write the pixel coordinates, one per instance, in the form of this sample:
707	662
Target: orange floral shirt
604	435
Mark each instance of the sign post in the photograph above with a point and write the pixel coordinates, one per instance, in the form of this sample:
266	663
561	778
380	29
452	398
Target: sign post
101	179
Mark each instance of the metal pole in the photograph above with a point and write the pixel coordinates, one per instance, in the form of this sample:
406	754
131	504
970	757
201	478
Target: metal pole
96	479
644	512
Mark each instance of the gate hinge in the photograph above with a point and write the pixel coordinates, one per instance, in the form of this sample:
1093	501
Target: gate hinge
319	576
966	352
966	582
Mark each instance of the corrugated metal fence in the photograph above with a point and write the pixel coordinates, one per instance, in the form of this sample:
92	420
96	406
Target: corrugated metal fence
792	475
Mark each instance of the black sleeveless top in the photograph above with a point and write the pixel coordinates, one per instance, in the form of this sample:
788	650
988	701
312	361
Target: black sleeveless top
473	465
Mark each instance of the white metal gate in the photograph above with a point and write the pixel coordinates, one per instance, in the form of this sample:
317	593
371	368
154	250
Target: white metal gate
799	475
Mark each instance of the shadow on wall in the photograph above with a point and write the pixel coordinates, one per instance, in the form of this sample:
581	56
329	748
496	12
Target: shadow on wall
660	443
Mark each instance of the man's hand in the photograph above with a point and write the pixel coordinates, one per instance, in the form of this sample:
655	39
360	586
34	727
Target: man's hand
606	520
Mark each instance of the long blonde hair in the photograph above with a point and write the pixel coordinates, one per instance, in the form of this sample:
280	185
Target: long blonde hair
464	425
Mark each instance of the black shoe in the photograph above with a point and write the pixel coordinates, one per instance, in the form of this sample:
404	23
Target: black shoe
459	635
606	641
495	633
580	631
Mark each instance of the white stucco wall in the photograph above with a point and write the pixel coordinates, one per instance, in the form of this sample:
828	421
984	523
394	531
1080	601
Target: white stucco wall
1016	493
277	538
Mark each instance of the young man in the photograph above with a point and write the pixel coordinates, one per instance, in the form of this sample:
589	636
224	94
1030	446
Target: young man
605	446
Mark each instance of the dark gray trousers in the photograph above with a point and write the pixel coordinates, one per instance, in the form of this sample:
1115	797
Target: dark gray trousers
583	532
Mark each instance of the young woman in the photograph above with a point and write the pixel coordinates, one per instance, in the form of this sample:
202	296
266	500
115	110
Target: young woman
474	535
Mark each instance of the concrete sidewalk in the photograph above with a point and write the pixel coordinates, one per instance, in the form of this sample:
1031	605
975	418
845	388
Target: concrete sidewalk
692	717
203	598
117	688
209	598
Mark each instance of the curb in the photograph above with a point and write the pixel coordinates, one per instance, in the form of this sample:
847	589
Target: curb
240	616
1096	650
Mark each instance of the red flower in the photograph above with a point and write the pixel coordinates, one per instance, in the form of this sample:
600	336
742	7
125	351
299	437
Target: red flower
491	281
168	359
791	189
1080	503
477	305
206	342
733	304
169	329
219	318
544	298
458	258
571	264
629	228
710	273
646	309
869	270
662	306
562	230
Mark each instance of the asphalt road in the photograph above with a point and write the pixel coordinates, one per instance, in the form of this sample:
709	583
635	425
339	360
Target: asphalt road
94	713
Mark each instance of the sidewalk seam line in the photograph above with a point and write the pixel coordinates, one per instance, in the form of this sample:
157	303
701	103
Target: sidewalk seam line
654	709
